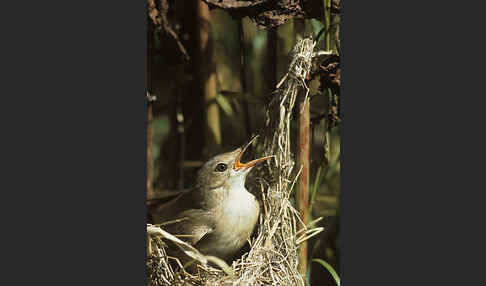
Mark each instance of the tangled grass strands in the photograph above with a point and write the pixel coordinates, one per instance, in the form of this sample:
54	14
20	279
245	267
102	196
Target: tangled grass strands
159	270
308	234
188	249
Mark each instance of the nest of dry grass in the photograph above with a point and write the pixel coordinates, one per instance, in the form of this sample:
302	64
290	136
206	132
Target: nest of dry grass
272	258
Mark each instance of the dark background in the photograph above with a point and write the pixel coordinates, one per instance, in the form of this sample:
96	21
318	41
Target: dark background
73	145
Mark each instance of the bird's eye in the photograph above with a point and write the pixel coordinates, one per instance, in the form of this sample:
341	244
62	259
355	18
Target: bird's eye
221	167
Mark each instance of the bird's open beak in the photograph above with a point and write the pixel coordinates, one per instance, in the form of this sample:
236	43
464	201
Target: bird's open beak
238	165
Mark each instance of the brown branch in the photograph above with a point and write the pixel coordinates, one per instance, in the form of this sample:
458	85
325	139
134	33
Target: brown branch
168	29
303	156
160	20
302	197
273	13
230	4
149	118
150	147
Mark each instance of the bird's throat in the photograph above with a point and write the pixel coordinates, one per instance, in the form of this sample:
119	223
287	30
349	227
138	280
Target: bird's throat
237	183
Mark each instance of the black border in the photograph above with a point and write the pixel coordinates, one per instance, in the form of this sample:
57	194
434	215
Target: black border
73	143
73	124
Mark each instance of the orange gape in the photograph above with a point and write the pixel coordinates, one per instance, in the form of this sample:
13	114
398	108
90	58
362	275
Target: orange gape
238	165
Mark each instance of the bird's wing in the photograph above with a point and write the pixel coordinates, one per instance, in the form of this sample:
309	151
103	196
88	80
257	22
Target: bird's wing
192	225
168	211
182	218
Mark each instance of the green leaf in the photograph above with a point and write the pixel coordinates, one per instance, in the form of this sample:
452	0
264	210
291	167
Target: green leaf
317	183
330	269
224	104
314	188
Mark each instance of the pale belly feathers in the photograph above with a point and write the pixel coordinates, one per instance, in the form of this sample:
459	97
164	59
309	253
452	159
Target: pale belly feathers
236	222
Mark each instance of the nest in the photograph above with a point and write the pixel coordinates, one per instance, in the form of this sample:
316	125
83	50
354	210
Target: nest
273	257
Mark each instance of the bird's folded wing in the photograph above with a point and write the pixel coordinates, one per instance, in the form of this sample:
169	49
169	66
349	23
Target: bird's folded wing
169	211
193	225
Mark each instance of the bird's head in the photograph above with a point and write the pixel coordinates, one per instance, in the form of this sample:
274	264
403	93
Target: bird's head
225	173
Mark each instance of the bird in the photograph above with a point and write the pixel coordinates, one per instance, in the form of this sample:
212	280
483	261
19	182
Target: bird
218	214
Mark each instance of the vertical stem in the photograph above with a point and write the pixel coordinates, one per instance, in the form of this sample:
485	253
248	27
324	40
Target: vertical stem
327	47
327	137
213	129
193	98
327	23
272	58
303	181
150	147
181	140
244	88
303	140
150	130
169	178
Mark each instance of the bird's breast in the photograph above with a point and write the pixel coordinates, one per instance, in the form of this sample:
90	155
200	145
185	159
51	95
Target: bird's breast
236	223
